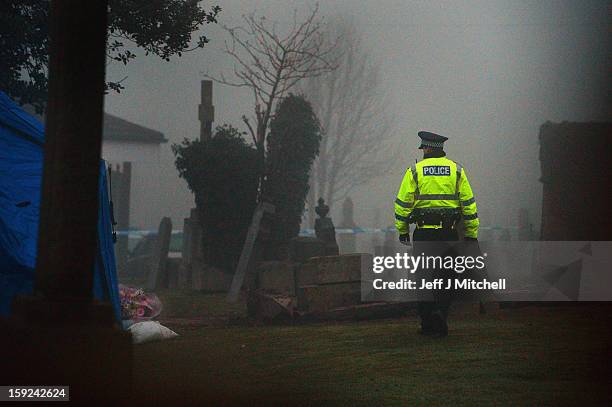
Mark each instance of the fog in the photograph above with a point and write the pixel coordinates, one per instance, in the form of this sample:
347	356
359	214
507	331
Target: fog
486	74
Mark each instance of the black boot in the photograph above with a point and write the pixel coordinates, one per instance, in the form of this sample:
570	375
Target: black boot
438	324
425	309
426	327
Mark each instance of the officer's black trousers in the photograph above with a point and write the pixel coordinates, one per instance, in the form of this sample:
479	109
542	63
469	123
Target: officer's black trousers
434	242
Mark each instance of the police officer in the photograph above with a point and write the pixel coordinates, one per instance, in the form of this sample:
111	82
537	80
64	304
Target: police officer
435	194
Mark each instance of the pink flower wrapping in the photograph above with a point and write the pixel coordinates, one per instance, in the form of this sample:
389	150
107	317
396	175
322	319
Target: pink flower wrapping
138	305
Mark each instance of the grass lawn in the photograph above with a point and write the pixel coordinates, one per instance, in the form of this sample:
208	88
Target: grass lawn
528	356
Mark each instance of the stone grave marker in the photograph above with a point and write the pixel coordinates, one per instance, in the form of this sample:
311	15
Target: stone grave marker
325	230
252	246
348	241
158	275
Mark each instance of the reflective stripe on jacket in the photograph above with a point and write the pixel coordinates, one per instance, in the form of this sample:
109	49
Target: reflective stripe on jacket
436	183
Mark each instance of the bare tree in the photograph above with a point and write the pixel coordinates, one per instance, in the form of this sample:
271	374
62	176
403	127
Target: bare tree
356	145
271	64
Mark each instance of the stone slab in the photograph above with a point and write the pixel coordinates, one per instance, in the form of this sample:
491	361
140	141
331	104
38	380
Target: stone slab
157	277
325	297
270	307
333	269
276	276
245	262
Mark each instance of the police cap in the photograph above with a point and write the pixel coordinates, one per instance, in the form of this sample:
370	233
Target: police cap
431	140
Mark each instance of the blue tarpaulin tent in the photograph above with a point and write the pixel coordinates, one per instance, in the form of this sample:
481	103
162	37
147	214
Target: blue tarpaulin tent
21	161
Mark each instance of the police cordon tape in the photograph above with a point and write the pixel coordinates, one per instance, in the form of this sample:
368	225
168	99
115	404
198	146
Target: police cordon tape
306	232
356	231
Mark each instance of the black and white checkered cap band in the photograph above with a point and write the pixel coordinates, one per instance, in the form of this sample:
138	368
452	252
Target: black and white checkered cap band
432	144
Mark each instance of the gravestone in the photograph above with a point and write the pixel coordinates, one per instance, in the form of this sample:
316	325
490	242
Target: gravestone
206	110
344	268
323	297
375	238
347	241
325	230
158	273
525	228
191	250
329	282
251	251
390	244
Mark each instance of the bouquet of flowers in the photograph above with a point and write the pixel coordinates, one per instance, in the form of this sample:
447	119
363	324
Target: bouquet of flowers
138	305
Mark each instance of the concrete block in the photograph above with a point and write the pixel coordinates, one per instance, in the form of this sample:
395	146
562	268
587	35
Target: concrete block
318	298
277	276
334	269
306	274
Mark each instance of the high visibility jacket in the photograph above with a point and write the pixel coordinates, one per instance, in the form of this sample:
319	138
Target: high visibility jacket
433	184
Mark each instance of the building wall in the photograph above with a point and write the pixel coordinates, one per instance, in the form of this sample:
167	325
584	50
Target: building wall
157	190
120	151
145	211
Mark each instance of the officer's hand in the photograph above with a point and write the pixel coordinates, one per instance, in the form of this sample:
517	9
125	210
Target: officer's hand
405	239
